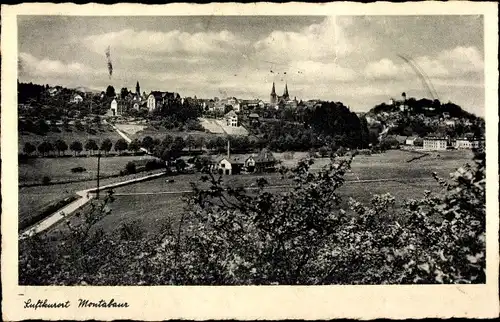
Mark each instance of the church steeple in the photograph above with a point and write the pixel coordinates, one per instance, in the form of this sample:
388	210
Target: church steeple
285	94
137	89
274	97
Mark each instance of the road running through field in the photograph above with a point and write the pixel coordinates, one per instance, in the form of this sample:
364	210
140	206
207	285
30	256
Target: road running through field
179	192
85	197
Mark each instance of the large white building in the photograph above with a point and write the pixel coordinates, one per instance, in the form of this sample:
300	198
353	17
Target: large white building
469	143
435	143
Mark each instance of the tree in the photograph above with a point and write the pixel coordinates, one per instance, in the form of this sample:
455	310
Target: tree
79	126
91	146
41	127
147	143
134	145
45	148
130	168
106	145
110	91
61	146
323	151
180	165
178	144
121	145
124	93
76	147
199	142
29	148
190	142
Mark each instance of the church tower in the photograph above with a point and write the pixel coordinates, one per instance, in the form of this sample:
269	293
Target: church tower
274	97
137	89
285	94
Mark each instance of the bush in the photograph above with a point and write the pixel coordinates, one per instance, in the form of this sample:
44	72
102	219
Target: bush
323	151
78	169
154	164
130	168
46	180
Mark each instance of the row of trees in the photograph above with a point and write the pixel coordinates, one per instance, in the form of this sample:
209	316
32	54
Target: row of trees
60	147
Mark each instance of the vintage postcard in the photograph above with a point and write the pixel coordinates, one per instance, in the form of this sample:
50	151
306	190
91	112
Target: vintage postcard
249	161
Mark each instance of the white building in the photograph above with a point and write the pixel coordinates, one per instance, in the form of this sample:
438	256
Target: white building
235	103
410	140
231	118
113	109
435	143
469	143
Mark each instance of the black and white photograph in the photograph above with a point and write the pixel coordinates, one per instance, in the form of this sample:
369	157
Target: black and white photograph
249	150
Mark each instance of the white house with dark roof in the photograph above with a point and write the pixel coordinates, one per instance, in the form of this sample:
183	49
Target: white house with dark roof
231	118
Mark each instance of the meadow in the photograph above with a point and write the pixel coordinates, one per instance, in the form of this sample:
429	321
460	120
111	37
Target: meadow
59	169
156	202
141	131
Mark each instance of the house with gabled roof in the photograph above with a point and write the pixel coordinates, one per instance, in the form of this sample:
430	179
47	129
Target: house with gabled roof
231	118
157	99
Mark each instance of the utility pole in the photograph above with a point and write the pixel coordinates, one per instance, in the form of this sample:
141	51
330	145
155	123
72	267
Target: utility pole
98	169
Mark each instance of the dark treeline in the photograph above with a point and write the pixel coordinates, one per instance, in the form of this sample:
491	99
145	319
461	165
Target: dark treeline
330	124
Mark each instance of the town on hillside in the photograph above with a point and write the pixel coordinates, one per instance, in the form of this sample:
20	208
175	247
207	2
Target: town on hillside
182	156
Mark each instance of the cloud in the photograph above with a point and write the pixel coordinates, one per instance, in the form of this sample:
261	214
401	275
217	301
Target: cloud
326	40
46	67
447	64
384	68
465	59
172	42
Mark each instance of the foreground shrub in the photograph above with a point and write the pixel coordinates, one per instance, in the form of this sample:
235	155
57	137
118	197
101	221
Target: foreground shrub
46	180
130	168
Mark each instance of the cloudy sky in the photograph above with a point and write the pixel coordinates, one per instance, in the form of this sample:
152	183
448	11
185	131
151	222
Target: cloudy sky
352	59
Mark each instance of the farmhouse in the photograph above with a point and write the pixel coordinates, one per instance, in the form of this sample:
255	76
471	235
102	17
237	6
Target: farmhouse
264	161
435	143
231	118
410	140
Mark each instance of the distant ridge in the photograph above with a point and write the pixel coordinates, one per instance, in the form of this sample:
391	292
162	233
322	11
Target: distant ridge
86	89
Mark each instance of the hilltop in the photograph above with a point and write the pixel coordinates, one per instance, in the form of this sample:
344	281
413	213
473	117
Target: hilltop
421	117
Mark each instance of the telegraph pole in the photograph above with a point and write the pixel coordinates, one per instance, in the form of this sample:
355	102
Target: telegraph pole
98	169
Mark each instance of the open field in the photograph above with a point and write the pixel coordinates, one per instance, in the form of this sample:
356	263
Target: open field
33	199
157	201
68	137
59	169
